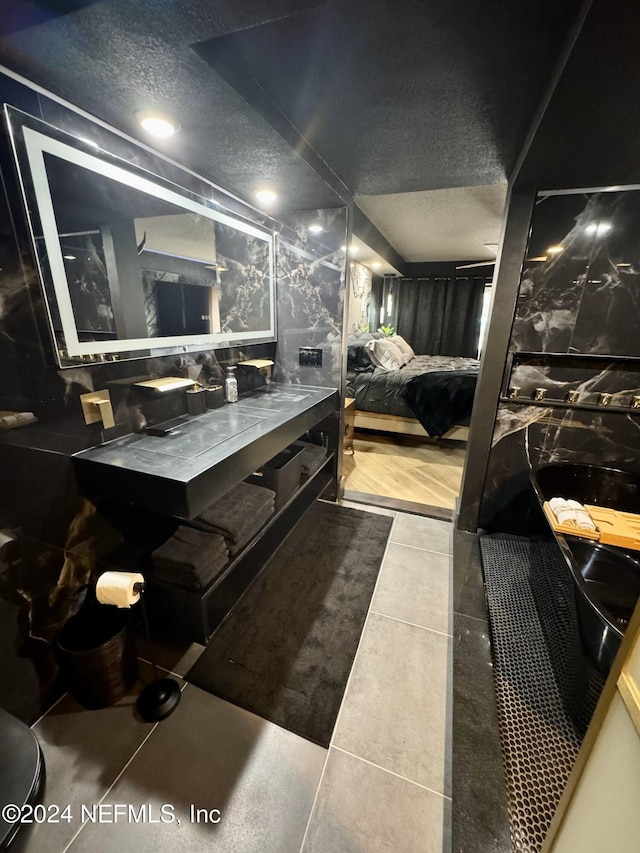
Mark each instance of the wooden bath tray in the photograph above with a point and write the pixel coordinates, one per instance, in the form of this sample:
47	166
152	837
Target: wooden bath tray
614	527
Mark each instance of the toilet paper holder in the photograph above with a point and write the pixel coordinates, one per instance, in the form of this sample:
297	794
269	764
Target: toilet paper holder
160	697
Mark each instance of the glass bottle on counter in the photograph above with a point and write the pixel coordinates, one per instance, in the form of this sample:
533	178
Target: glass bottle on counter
231	386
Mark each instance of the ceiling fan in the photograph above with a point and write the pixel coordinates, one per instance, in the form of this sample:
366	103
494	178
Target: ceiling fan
492	247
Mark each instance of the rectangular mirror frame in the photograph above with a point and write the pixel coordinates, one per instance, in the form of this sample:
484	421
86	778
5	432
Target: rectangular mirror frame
36	145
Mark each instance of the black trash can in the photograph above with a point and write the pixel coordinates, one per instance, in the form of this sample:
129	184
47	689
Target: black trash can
96	653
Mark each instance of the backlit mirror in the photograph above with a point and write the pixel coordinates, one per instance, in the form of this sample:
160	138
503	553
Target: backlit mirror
132	264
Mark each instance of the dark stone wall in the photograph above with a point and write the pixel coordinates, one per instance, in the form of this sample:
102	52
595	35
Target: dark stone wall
582	301
55	541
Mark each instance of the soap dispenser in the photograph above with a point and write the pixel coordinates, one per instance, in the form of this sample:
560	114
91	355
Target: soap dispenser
231	386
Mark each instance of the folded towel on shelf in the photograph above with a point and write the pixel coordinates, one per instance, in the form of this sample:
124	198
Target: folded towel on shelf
243	535
571	513
258	521
238	514
311	457
191	558
189	580
190	547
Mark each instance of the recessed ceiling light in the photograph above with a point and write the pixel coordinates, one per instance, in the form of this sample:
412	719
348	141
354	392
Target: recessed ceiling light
623	265
69	257
598	228
316	228
540	258
266	197
157	124
376	265
353	250
555	250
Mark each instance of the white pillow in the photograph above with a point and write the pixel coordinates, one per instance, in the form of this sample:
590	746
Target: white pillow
385	354
404	347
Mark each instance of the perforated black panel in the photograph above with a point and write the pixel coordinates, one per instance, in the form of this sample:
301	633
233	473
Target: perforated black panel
539	742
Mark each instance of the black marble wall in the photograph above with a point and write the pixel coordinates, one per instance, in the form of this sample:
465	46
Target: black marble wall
579	297
311	291
53	542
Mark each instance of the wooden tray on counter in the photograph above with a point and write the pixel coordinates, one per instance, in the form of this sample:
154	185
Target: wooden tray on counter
614	527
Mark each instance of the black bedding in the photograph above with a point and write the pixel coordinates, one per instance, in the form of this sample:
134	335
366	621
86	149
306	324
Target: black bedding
441	400
385	391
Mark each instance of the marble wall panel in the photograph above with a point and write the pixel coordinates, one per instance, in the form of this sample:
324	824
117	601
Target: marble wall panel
359	302
585	297
310	274
243	284
584	300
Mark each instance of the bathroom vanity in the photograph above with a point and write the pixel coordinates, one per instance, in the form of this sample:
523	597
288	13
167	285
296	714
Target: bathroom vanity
176	475
199	458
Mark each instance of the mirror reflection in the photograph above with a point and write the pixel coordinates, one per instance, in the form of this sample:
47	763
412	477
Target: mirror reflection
130	265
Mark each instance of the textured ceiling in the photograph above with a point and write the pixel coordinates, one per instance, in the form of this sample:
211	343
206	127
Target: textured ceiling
393	97
116	56
400	97
439	225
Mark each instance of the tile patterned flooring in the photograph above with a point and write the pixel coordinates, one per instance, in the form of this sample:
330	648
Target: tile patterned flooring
384	784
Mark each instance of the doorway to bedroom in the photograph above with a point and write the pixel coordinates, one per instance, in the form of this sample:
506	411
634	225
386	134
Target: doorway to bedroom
414	345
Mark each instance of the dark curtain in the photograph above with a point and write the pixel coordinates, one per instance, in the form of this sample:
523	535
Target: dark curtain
462	312
421	306
375	302
441	316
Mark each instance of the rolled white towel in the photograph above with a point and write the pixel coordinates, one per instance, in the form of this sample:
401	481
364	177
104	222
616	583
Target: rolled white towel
558	505
585	522
568	517
571	513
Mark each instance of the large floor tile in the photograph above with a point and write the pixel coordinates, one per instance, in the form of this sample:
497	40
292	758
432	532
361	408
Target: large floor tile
427	533
394	711
214	755
362	809
176	659
84	751
415	586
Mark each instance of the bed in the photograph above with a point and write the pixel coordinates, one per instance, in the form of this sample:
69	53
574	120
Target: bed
430	394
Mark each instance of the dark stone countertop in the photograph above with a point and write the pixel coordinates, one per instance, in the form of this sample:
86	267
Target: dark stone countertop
202	456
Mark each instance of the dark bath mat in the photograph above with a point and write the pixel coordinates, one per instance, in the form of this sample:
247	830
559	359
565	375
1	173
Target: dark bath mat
286	649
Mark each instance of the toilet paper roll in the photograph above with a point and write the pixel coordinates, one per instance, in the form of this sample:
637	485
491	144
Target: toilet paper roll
118	588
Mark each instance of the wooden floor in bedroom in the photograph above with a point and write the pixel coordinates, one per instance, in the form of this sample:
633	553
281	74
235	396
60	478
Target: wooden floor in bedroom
405	468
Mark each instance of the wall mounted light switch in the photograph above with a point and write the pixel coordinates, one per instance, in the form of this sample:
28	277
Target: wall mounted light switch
310	356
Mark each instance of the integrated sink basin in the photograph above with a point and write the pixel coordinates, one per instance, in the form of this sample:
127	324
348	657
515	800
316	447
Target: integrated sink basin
188	437
182	465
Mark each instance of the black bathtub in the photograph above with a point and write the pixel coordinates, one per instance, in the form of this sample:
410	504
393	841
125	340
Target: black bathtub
606	579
